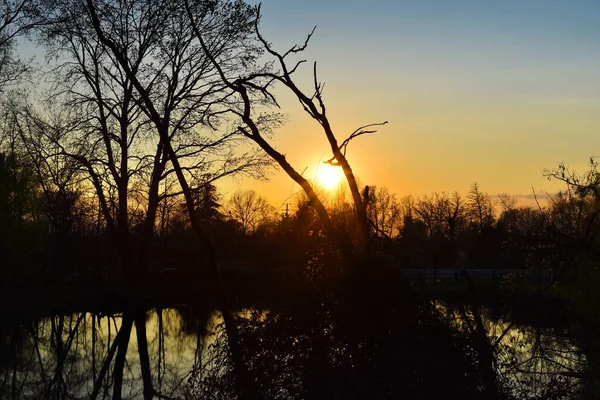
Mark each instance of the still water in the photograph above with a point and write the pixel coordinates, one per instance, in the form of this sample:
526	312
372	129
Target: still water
78	355
531	361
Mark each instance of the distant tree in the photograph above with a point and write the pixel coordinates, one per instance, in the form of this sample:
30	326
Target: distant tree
250	210
507	201
524	221
408	216
444	219
480	208
207	206
443	215
60	178
384	212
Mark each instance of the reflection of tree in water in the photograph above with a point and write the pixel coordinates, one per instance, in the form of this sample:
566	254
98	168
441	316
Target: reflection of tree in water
316	348
533	362
346	344
85	355
540	363
40	359
174	345
437	356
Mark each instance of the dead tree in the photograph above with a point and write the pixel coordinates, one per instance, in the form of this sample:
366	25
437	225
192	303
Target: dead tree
260	84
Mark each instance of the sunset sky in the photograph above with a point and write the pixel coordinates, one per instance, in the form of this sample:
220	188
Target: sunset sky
474	91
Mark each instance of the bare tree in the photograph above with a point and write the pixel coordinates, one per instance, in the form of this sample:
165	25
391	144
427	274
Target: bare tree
384	211
250	210
15	19
107	134
227	29
444	219
157	87
507	201
259	85
480	208
443	215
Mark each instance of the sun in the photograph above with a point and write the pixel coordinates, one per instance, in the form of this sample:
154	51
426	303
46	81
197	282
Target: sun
329	177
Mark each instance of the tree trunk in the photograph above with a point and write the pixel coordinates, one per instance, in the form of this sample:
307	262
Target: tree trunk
148	229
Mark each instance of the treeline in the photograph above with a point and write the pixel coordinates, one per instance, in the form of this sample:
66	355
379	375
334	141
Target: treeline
61	231
472	230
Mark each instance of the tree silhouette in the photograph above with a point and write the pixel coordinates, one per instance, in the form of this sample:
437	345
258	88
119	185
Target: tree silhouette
384	212
249	209
143	104
258	84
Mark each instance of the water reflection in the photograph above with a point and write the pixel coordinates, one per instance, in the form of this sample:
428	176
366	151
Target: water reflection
88	355
533	362
166	353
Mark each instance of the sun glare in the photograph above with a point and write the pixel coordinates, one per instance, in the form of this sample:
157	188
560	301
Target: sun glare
329	177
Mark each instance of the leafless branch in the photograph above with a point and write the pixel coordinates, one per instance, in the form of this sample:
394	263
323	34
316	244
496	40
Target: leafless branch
358	132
